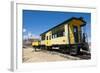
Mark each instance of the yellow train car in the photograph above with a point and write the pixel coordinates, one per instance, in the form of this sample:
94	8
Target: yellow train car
67	36
36	43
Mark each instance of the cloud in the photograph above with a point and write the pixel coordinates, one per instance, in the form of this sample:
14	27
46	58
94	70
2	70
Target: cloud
25	37
24	30
27	34
35	36
30	35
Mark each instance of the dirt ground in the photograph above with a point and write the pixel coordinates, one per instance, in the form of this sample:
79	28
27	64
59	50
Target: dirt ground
30	55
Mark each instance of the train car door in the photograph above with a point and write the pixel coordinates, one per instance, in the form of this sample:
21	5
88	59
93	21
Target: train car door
48	39
76	36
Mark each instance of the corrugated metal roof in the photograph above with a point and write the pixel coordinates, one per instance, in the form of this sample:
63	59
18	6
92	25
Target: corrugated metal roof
66	21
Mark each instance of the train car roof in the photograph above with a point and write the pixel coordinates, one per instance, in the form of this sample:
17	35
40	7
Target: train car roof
66	21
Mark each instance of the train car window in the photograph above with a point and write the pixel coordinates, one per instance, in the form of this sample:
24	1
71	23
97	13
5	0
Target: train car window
50	37
47	37
63	33
60	33
55	36
43	37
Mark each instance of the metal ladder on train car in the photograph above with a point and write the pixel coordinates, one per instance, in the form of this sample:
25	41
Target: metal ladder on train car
85	44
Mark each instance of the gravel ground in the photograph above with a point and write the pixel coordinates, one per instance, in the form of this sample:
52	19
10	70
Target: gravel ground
30	55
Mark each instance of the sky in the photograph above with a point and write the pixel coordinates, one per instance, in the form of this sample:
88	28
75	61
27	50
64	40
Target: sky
36	22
